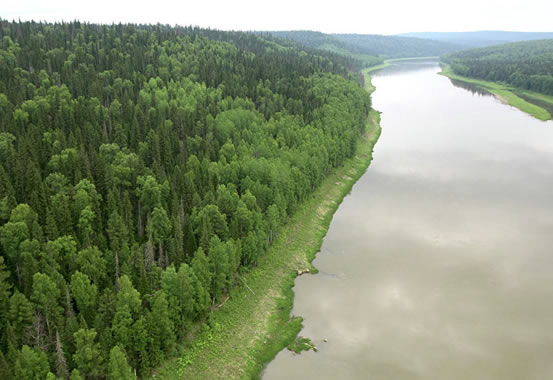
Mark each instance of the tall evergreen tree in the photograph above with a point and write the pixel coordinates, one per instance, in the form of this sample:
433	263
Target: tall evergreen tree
118	367
88	356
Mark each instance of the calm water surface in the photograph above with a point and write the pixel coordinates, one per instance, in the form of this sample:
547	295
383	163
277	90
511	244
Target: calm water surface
439	265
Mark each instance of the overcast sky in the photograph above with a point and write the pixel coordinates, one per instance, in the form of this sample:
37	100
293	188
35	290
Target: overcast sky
346	16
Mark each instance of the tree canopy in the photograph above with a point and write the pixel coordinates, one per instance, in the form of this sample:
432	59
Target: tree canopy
527	65
142	168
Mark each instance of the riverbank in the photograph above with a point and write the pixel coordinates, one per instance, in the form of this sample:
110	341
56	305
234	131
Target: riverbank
535	104
367	76
254	324
388	62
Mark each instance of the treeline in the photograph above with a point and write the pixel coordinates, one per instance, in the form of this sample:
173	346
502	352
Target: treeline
365	57
468	40
527	65
396	46
142	169
369	49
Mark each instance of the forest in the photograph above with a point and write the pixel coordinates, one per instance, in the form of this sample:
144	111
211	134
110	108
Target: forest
143	168
317	40
527	65
397	46
370	48
468	40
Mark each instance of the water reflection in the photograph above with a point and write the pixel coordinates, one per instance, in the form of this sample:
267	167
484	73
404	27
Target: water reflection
442	252
476	90
470	87
405	67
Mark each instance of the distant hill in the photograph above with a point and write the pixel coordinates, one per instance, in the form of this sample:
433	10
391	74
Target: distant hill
527	64
370	49
366	47
398	47
480	38
318	40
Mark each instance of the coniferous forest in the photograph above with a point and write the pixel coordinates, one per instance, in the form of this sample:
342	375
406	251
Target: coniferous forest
527	64
371	49
142	169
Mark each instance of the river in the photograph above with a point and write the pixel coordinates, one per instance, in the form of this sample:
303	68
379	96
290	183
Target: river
439	264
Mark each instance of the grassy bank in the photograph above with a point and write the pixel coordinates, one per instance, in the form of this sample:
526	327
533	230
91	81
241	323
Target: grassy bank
255	323
367	75
530	102
377	67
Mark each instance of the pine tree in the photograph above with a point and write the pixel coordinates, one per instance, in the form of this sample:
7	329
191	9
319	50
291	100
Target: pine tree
45	295
20	313
118	368
88	355
200	267
84	293
160	329
31	364
5	292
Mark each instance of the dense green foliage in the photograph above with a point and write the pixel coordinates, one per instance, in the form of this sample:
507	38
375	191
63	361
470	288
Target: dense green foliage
480	38
397	47
317	40
370	49
142	169
527	65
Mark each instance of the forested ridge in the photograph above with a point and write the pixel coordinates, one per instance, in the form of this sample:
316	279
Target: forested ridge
397	46
370	49
317	40
142	169
527	65
467	40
